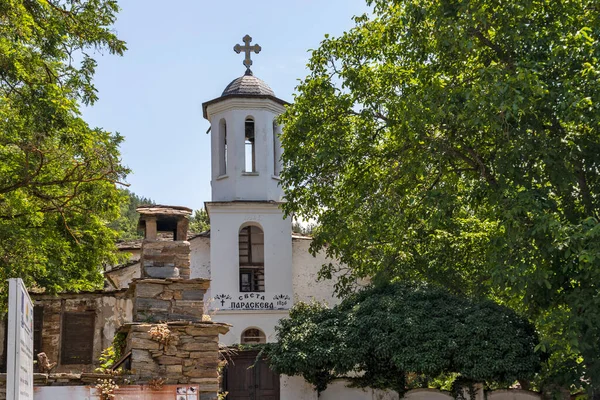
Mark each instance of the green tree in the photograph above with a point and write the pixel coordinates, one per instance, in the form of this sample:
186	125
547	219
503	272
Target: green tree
58	175
457	142
199	221
127	223
303	228
383	333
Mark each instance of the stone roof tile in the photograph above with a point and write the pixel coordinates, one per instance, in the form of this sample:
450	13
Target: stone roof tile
248	85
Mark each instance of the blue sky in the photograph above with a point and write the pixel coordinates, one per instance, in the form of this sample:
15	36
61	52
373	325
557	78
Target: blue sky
181	55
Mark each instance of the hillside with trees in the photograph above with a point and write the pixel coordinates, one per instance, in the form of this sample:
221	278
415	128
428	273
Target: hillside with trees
127	222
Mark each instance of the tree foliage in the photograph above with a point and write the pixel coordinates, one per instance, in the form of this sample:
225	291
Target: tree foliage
127	223
58	175
457	142
199	221
382	333
305	229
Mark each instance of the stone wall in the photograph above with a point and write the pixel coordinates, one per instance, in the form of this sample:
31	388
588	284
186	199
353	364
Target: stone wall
165	259
111	310
191	354
61	380
156	300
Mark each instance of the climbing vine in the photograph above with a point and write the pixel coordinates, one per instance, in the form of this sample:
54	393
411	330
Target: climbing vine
113	353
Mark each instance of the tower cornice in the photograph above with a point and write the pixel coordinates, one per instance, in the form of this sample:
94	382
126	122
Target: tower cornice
225	103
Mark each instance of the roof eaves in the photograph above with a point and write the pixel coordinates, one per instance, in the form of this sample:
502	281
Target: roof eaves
241	96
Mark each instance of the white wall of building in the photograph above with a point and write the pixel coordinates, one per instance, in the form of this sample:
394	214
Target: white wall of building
200	257
120	278
226	220
339	389
237	183
242	320
296	388
305	269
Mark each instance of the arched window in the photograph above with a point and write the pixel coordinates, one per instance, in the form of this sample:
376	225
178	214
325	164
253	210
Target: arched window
249	146
253	336
276	149
251	259
222	147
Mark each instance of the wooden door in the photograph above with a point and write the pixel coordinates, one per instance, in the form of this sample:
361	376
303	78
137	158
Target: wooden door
267	387
247	379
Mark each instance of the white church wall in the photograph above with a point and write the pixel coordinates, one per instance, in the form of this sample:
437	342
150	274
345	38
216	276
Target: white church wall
226	221
200	257
296	388
338	389
242	320
237	183
427	394
504	394
513	394
305	269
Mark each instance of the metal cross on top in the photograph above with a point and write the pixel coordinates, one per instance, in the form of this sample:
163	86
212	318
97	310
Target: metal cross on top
247	49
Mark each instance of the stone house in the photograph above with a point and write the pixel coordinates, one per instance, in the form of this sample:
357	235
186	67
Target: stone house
168	344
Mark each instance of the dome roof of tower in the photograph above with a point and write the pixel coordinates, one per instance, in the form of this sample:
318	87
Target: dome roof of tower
248	85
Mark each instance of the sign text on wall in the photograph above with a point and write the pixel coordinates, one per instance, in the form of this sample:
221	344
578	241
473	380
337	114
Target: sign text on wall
253	301
19	379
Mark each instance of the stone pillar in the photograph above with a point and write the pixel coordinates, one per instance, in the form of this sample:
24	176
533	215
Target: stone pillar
164	257
190	354
156	300
150	231
182	229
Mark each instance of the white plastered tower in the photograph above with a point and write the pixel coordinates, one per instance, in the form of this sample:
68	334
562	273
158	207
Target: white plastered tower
250	240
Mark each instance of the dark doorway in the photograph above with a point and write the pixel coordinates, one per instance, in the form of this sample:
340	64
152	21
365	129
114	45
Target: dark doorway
248	379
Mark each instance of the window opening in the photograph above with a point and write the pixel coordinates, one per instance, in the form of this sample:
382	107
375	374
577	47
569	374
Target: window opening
38	326
77	344
222	147
276	150
253	336
251	259
250	146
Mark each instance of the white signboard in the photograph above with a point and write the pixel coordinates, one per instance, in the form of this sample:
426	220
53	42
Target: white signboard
19	379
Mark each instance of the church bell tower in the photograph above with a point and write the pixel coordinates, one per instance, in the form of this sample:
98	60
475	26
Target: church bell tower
245	147
250	240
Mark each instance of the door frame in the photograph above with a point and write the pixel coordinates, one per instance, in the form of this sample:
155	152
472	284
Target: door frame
245	355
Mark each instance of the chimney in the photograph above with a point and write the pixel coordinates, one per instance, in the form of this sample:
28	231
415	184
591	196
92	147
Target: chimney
165	249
